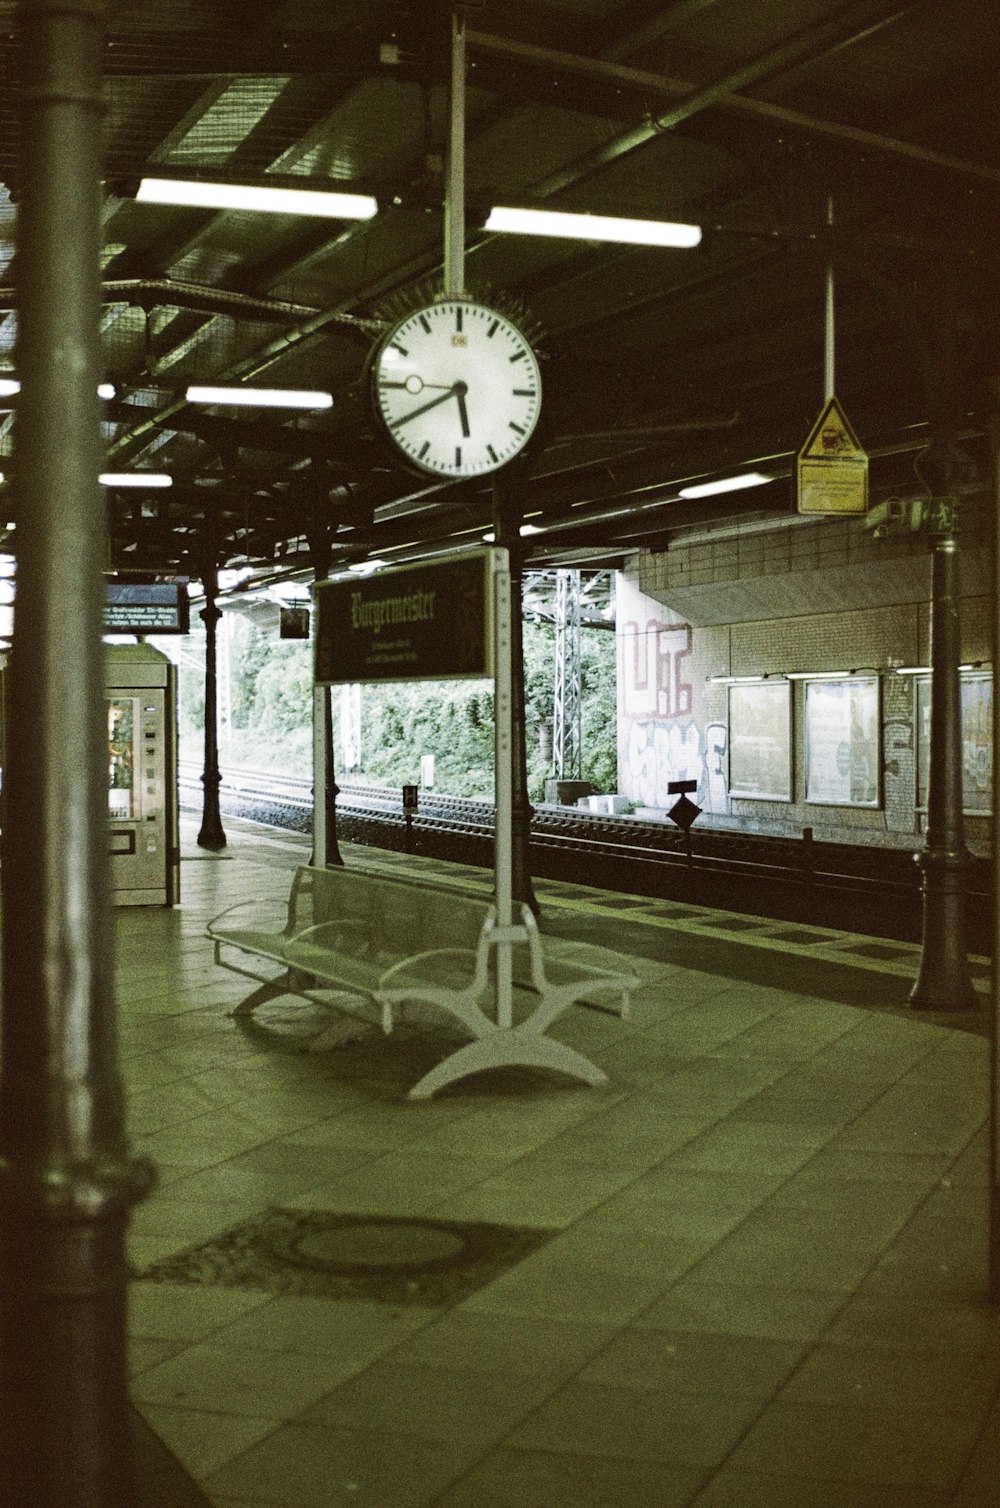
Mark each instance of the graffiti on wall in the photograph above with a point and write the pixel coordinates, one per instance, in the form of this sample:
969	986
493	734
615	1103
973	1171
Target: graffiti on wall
715	796
659	752
655	683
662	740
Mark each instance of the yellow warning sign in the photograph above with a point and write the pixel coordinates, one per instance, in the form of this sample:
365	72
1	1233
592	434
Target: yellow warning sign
832	468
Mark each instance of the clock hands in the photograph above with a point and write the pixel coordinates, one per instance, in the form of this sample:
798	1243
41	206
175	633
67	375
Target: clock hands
463	413
457	390
414	384
494	384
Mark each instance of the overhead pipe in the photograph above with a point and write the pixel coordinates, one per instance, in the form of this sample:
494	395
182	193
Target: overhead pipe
147	292
722	95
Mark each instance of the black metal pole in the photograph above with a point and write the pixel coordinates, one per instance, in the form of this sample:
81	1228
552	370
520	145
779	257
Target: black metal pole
331	788
68	1178
211	833
507	518
943	982
318	538
994	1122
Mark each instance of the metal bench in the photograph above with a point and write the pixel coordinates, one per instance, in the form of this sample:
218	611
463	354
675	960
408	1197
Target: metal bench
392	943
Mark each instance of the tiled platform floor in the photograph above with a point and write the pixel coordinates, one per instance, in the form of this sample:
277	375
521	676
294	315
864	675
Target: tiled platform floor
767	1283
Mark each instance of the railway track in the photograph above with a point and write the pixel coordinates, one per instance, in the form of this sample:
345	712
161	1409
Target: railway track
860	889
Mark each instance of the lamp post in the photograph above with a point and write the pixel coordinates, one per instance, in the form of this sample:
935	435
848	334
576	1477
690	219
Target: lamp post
211	834
943	982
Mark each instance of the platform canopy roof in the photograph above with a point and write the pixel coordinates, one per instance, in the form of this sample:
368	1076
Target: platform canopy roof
662	368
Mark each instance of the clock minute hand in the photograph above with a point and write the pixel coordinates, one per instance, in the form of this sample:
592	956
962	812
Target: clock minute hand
421	384
425	407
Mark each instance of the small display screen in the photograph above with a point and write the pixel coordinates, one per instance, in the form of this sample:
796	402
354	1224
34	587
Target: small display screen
121	757
154	607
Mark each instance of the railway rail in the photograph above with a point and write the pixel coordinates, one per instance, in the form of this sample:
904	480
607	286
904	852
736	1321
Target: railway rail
864	889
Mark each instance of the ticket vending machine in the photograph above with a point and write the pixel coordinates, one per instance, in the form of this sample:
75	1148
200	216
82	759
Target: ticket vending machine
141	701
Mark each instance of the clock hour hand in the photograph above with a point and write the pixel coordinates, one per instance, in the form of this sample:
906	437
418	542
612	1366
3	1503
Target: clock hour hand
460	391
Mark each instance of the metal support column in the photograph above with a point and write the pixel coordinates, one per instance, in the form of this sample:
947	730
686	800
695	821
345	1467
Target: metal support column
994	1107
68	1178
566	741
829	318
325	850
507	514
211	834
943	982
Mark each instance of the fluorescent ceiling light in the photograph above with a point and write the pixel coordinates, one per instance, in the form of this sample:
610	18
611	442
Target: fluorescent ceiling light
128	479
983	665
743	680
10	387
228	579
524	530
819	675
331	204
546	222
260	397
366	567
136	479
726	484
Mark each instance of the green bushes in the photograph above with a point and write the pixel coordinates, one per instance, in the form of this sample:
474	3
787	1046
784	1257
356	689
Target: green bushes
265	713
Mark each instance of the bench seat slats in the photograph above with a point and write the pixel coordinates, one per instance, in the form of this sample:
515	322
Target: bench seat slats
391	941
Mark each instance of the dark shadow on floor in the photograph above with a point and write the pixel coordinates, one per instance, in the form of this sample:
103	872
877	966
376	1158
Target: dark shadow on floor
846	984
161	1481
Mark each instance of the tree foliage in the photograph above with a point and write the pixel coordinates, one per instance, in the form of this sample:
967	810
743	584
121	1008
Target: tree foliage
265	705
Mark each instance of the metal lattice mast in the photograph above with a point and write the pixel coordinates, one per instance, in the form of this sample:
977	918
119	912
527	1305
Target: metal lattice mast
566	743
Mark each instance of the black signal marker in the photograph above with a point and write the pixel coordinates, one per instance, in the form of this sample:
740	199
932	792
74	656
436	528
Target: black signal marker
425	447
492	454
517	356
426	323
458	455
401	349
524	392
492	329
458	318
518	427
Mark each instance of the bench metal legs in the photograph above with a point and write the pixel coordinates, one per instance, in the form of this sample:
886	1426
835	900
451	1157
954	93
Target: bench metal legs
508	1049
271	989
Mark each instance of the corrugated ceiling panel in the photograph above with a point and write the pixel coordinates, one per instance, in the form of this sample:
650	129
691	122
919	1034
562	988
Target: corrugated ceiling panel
214	138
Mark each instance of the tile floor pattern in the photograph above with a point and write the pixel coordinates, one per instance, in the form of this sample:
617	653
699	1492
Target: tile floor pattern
765	1288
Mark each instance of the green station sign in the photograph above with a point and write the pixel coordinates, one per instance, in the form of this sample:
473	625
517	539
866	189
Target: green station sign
411	623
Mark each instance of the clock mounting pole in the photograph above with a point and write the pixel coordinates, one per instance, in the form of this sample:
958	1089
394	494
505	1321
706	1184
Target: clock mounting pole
454	192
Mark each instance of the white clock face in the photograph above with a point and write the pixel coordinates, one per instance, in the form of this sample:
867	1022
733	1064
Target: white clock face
457	387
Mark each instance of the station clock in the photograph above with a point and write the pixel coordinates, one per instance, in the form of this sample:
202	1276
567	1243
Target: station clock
456	388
